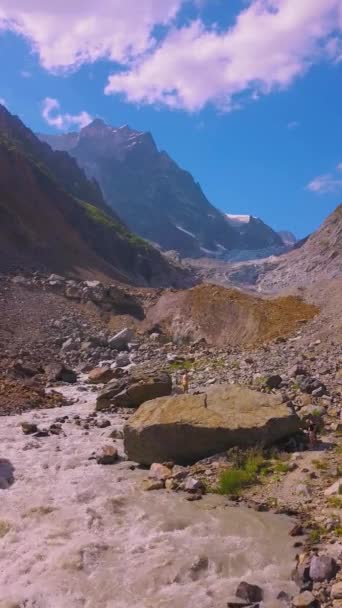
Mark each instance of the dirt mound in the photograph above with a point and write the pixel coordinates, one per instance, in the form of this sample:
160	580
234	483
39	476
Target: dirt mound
227	317
17	397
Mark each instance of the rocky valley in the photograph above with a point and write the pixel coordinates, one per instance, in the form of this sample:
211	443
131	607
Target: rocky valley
170	401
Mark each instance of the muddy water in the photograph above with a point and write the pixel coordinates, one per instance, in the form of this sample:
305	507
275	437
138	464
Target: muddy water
76	534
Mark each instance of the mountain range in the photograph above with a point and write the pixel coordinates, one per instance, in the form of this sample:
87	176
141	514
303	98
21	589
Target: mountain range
53	217
154	196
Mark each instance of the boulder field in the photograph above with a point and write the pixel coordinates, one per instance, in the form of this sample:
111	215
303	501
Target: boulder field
186	428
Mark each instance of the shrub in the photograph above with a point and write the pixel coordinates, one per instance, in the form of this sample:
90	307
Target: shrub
245	470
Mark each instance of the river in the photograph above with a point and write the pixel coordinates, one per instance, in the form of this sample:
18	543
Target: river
76	534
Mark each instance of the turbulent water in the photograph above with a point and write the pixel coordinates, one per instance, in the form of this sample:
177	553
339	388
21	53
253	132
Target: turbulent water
79	535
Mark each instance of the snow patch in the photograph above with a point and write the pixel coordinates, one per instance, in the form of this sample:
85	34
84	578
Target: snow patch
186	231
237	220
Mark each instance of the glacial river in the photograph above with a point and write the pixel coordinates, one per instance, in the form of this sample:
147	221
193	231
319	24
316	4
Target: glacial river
75	534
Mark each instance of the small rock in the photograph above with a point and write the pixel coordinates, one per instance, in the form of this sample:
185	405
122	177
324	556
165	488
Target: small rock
304	600
116	434
274	381
122	360
102	424
100	375
249	593
297	530
194	497
56	372
179	472
193	485
336	591
109	455
159	471
322	568
29	428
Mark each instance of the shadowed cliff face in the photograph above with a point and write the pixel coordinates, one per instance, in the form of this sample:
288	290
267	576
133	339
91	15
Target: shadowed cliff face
44	224
155	197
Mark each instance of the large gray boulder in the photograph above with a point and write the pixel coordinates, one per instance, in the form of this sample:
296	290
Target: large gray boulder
133	390
187	428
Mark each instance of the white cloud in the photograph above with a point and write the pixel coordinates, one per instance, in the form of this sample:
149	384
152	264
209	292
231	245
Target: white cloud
294	124
2	101
51	113
325	184
68	33
339	167
272	43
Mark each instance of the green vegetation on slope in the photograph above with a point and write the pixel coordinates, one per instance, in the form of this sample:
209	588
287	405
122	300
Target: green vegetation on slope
100	217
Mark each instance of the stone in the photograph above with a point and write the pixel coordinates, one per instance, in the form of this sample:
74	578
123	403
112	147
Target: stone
309	384
101	375
152	484
134	390
179	472
193	485
249	593
304	600
186	428
297	530
322	568
29	428
103	424
121	340
159	471
336	591
335	488
108	455
122	360
274	381
116	434
58	372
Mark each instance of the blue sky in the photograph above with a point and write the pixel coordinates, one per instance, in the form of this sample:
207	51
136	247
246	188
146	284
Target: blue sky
242	94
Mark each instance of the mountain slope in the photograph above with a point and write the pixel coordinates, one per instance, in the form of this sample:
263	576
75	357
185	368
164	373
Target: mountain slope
44	225
149	191
319	258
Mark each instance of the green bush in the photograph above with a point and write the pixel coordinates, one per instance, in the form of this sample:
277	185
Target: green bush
246	470
232	481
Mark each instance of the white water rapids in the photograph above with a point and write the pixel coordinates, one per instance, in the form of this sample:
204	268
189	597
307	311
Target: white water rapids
75	534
